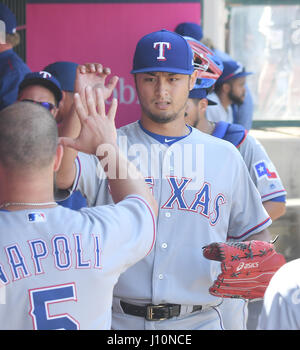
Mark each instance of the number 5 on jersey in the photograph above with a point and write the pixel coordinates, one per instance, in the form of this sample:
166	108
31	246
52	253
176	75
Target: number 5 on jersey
41	298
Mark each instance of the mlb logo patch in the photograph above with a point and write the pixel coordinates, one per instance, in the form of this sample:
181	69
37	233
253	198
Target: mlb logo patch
261	169
36	217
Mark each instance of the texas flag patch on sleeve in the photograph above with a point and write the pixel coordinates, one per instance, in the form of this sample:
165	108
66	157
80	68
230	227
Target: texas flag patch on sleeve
36	217
262	170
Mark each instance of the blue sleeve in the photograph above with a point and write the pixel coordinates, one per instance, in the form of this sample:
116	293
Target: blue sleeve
76	201
243	114
12	73
279	199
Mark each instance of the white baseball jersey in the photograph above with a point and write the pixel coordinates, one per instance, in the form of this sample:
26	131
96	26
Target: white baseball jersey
204	194
58	267
281	308
216	113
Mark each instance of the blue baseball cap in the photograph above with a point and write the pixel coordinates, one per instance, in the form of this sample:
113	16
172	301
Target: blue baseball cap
200	93
163	51
190	29
232	70
45	79
8	17
64	72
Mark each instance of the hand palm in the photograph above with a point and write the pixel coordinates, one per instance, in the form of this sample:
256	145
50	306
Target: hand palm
97	127
95	80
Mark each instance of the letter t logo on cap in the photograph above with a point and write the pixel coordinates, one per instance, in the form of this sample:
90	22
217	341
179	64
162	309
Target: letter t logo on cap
161	45
45	74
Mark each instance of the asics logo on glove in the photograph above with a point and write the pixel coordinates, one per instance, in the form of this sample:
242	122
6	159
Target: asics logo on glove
242	265
247	268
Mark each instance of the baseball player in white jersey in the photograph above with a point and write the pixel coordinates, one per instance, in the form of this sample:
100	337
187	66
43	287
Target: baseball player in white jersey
58	267
281	308
194	177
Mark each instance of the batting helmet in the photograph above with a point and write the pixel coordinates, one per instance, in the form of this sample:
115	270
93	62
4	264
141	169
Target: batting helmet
209	65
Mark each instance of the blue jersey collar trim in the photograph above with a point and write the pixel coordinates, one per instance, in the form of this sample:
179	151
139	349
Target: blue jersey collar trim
165	140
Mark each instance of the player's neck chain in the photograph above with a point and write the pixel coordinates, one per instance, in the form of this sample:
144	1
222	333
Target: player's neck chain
212	127
5	205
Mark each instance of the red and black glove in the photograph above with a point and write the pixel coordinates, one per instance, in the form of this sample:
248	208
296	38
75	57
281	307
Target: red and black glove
247	268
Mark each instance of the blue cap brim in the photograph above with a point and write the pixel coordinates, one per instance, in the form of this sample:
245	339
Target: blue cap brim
199	94
243	74
239	75
163	69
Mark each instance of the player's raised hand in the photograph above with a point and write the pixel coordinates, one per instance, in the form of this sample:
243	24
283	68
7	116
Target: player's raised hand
94	75
97	127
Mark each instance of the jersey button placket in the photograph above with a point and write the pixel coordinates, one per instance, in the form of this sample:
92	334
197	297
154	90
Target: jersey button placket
160	280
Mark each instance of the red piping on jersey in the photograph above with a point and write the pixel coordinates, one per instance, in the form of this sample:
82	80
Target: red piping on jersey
252	229
153	220
266	195
244	138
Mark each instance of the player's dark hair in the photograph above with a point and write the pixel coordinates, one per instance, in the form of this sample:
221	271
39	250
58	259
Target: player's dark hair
28	136
218	87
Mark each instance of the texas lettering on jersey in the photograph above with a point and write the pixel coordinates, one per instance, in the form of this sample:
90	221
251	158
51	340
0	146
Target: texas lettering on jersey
203	202
65	251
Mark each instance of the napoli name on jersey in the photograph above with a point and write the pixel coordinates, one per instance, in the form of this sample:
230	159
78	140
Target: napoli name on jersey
58	267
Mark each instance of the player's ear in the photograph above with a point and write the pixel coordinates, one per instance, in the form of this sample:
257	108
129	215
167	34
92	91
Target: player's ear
202	105
226	88
58	157
193	79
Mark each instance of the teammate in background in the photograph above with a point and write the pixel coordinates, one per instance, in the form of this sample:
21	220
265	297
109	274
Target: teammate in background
12	67
261	169
44	89
242	113
229	89
59	266
195	208
281	308
41	88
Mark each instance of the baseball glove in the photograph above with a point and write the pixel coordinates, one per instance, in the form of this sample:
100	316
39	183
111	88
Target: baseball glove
247	268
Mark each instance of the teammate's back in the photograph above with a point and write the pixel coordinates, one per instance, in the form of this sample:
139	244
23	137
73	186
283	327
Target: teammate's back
59	266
